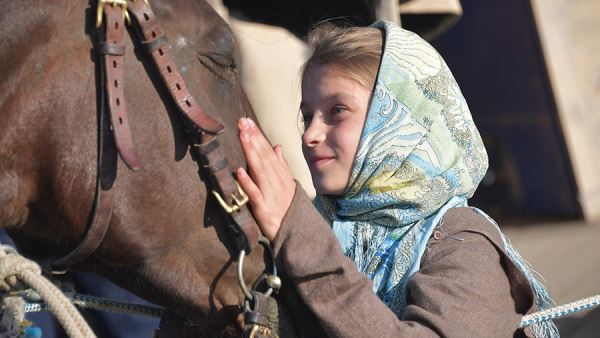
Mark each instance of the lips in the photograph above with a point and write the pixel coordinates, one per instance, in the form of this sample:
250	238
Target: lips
320	160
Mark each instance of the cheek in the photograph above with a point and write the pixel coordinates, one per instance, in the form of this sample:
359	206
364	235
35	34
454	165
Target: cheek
349	141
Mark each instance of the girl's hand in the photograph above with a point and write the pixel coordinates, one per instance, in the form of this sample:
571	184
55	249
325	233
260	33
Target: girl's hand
270	185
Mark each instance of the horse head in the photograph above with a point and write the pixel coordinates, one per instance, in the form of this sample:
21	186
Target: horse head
165	241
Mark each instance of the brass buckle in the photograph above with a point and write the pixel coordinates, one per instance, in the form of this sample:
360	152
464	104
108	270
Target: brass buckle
238	202
114	3
263	330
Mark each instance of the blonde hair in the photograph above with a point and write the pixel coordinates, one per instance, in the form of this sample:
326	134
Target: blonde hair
357	50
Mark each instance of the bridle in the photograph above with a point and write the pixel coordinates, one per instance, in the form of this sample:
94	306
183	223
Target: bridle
202	131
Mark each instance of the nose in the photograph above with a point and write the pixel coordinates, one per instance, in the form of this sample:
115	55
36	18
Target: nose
314	133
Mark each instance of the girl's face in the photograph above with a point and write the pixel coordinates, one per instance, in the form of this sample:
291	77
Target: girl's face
334	108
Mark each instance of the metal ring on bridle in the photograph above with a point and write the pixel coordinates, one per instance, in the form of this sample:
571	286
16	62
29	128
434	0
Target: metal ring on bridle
240	269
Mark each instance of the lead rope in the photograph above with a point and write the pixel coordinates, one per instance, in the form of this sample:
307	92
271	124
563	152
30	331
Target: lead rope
16	269
13	267
584	304
101	304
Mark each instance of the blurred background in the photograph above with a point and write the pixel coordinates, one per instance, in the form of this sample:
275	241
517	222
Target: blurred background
530	72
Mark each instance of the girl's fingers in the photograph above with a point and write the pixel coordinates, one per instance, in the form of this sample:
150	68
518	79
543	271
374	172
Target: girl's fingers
260	142
268	182
265	166
249	187
258	137
253	156
279	152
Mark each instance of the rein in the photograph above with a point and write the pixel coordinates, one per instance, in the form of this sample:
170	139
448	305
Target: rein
202	131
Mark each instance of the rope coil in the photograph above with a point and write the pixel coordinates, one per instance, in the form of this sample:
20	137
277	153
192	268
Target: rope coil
14	269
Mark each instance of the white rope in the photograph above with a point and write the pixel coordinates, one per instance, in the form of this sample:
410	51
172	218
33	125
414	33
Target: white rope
560	311
15	268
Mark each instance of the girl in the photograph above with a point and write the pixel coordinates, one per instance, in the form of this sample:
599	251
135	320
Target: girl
394	155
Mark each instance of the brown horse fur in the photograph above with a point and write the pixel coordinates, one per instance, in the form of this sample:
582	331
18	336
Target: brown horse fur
165	242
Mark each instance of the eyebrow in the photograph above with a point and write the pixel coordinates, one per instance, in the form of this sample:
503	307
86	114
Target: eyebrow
331	97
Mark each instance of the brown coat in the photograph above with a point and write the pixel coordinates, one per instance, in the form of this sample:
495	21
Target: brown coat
466	287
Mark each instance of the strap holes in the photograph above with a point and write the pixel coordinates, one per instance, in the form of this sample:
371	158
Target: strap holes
153	34
116	25
120	120
115	64
160	51
169	69
116	84
146	17
187	101
178	86
118	102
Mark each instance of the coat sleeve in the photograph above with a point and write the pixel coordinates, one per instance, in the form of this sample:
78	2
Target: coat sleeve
445	297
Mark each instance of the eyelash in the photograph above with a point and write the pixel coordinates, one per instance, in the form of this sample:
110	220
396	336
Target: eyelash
335	110
338	109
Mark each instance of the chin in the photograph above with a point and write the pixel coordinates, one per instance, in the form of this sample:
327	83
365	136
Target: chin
328	190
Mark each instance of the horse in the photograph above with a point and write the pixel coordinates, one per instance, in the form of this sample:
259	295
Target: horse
165	241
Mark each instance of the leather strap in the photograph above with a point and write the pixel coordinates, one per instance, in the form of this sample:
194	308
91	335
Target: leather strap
169	72
203	140
101	213
243	228
114	49
261	319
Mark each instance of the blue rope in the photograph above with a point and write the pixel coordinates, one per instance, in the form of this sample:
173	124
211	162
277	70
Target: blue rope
101	304
104	304
560	311
541	295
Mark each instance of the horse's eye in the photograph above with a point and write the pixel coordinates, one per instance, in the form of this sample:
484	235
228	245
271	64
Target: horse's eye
217	63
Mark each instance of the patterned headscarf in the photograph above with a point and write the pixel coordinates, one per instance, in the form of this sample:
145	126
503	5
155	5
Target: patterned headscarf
419	155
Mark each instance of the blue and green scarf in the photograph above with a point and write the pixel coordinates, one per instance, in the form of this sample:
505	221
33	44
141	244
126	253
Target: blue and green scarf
419	155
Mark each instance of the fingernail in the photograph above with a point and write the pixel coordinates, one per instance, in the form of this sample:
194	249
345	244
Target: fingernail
243	123
241	172
251	123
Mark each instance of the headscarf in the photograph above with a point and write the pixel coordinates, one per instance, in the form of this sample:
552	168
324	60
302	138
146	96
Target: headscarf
419	155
